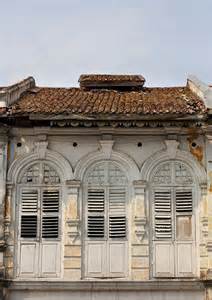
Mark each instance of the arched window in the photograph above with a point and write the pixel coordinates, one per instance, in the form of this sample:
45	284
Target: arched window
39	221
173	219
105	221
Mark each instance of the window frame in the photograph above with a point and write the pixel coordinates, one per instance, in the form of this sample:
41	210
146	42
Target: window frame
40	187
128	214
194	187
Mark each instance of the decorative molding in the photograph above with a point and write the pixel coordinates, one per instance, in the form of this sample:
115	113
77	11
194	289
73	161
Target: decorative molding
125	123
209	246
139	184
140	224
140	219
106	147
171	148
204	91
73	186
73	229
108	285
186	157
7	211
12	93
41	148
124	161
61	165
204	188
204	222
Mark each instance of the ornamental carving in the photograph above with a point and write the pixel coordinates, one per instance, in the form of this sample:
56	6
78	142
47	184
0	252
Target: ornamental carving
163	174
105	173
40	174
173	172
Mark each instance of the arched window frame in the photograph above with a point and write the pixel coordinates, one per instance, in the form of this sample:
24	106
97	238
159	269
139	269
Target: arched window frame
171	151
65	171
45	239
169	238
41	186
107	237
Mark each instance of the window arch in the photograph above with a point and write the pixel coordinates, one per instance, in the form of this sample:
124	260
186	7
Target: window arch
39	173
173	220
39	221
105	190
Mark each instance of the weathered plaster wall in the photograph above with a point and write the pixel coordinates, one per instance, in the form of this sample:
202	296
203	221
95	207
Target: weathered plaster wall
140	262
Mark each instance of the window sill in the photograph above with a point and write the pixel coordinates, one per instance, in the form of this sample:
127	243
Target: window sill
122	285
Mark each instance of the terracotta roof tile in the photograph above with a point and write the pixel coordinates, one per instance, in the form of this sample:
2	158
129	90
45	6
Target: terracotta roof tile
109	77
174	100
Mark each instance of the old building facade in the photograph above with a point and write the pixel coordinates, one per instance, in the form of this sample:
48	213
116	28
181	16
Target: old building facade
106	190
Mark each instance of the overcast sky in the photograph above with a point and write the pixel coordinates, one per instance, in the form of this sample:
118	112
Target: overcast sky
57	40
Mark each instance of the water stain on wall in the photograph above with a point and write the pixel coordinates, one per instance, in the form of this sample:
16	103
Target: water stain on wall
195	149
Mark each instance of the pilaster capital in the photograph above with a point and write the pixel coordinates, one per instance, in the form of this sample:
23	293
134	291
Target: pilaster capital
41	148
73	186
139	186
204	189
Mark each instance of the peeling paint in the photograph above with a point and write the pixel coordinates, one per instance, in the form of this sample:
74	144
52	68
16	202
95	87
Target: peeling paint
203	275
196	150
210	181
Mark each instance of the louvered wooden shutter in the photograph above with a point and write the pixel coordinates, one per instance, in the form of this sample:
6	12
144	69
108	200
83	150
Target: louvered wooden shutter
185	246
117	213
96	213
117	256
29	210
163	261
162	214
184	201
50	213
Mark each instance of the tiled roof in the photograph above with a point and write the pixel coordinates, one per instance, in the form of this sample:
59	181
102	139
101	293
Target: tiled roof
102	102
107	77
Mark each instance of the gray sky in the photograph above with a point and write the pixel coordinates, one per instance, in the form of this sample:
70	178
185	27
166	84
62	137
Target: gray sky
57	40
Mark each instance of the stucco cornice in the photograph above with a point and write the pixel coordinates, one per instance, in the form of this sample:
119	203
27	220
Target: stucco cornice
165	285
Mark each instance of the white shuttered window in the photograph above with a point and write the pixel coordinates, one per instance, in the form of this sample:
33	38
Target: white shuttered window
106	222
39	226
173	221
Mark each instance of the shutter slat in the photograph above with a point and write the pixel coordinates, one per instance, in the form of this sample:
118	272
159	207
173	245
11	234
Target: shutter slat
29	209
117	209
117	227
162	214
50	211
117	198
28	226
50	226
50	201
184	201
29	201
96	200
95	219
96	226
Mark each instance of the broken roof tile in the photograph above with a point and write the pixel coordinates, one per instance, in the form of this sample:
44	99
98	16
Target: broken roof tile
174	100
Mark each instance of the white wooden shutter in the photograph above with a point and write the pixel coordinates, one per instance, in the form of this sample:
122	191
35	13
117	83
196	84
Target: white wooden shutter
117	244
163	261
28	246
29	210
50	213
96	213
184	201
185	246
117	213
162	214
96	244
50	232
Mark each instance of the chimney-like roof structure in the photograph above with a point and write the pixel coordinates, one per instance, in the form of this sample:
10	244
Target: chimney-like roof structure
96	81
